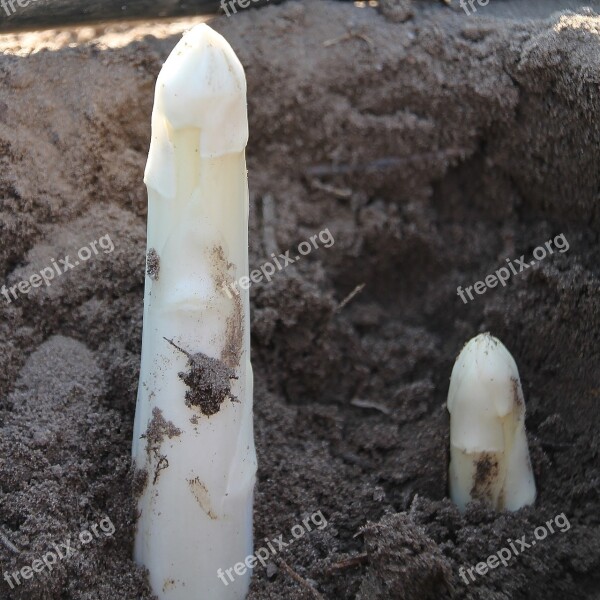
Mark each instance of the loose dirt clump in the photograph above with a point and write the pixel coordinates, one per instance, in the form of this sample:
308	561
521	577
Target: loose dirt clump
153	264
139	481
209	383
159	429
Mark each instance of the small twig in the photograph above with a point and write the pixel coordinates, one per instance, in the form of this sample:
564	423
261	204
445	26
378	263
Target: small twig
343	193
8	543
382	164
357	290
337	40
305	584
321	331
347	563
370	404
178	348
349	36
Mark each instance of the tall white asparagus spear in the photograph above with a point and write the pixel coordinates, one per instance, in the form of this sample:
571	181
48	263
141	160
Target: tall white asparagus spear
489	456
193	444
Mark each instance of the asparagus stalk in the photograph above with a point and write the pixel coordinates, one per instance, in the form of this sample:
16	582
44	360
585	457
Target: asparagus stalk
489	456
193	445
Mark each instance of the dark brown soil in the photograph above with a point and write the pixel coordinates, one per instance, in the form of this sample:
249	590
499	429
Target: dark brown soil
158	429
153	264
432	149
208	382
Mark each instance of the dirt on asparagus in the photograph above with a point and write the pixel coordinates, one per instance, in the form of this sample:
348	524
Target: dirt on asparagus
208	382
153	264
433	146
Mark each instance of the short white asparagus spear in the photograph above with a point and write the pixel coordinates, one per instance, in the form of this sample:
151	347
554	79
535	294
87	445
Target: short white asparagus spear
193	444
489	456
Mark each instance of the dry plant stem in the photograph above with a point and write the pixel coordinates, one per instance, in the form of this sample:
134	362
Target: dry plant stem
8	543
348	563
342	193
357	290
299	579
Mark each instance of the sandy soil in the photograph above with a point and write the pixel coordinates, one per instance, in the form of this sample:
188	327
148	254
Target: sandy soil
432	149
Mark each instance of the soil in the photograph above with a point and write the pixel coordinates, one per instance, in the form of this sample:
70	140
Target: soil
433	147
208	382
158	429
153	264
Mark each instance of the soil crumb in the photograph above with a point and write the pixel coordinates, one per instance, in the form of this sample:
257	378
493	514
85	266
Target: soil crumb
153	264
209	383
159	429
208	380
139	481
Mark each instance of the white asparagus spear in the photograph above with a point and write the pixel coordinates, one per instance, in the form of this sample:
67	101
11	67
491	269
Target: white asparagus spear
193	435
489	456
